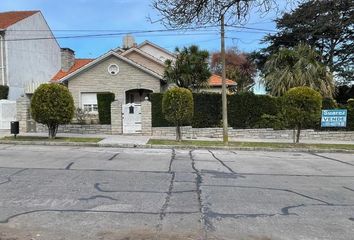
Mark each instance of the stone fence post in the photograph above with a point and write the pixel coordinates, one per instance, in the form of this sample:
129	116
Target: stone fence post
23	112
116	117
146	122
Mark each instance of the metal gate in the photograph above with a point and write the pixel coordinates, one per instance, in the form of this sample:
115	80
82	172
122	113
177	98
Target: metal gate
7	113
131	118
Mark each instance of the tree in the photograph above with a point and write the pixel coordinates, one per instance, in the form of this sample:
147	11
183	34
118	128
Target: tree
52	104
297	67
180	13
178	108
190	70
302	108
350	120
326	25
238	68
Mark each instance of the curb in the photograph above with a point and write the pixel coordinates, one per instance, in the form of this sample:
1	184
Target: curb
151	146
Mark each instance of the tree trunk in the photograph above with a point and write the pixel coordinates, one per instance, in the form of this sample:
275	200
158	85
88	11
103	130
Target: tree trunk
178	133
52	130
298	130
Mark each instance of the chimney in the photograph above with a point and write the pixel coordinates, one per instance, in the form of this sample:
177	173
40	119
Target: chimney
67	59
128	42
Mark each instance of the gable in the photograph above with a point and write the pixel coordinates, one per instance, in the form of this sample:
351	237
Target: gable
156	51
148	62
9	18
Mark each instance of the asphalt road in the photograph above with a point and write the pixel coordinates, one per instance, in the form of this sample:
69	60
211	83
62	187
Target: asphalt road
54	193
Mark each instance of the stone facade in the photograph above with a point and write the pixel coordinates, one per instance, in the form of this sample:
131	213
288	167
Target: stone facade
146	119
116	117
23	112
309	134
98	79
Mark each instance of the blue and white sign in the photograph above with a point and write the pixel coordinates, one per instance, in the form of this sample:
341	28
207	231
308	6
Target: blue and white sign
334	118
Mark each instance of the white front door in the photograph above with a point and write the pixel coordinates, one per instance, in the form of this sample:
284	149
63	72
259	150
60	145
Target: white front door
131	118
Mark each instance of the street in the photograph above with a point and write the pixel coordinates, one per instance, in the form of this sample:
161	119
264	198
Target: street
53	192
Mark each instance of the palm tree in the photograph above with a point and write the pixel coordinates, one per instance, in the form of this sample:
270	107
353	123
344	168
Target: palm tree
297	67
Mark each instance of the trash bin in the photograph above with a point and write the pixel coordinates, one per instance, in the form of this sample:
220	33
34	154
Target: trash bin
15	128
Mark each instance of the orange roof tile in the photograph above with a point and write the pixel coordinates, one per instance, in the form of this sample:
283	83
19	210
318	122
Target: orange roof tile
216	81
9	18
79	63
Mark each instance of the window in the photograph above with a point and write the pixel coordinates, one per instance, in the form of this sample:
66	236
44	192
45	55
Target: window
113	69
89	102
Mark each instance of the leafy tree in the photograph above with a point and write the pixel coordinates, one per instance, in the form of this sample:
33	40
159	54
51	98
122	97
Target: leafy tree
181	13
329	103
52	104
326	25
344	93
178	108
302	108
190	70
239	68
296	67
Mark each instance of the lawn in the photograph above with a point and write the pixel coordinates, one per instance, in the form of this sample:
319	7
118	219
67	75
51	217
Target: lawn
199	143
57	139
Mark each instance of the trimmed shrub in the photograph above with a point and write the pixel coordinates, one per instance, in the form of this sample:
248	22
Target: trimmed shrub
246	109
177	107
302	107
350	120
52	104
4	92
207	110
104	101
158	119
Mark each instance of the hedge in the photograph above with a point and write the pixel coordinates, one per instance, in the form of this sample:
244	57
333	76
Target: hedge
104	101
4	92
158	119
207	110
246	109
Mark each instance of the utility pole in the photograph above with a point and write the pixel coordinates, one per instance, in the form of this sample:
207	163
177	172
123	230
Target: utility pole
223	75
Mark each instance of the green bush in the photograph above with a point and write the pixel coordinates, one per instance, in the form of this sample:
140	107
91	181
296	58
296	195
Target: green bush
207	110
246	109
4	92
158	119
177	107
52	104
329	103
350	119
302	107
104	101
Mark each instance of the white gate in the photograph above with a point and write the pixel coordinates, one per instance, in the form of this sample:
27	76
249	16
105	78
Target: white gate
7	113
131	118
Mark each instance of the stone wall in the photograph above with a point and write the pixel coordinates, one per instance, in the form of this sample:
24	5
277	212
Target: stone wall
79	129
309	134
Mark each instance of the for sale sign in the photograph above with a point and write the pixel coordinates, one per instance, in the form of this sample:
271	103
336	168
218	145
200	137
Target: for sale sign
334	118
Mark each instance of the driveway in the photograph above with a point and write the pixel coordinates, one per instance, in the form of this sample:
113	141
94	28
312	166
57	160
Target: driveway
106	193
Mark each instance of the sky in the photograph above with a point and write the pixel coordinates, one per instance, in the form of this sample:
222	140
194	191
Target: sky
118	17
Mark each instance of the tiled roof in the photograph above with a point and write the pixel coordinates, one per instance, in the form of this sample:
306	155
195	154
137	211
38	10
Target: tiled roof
9	18
79	63
216	81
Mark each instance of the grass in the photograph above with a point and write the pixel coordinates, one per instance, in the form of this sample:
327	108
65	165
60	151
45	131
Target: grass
57	139
199	143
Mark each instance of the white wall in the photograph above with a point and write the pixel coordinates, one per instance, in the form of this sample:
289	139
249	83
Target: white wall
30	62
157	53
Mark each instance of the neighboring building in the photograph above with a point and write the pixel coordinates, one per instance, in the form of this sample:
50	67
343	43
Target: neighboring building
26	63
215	84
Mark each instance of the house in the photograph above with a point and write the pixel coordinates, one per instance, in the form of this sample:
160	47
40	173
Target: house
131	73
29	53
215	84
